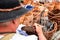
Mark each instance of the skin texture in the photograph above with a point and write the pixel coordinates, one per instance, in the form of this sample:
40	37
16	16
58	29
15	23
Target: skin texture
40	32
9	26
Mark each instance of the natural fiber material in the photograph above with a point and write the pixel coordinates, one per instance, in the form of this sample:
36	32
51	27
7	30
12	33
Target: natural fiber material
55	16
49	34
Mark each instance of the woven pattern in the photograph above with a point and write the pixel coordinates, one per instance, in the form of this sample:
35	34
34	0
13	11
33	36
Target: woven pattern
49	34
55	16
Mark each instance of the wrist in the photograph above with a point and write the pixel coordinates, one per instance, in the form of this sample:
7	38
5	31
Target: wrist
40	34
42	37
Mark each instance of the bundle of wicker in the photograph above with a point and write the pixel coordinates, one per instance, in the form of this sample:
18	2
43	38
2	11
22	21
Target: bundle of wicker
57	5
35	17
50	6
54	15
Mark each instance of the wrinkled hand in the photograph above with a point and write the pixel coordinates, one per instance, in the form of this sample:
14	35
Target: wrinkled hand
38	28
39	31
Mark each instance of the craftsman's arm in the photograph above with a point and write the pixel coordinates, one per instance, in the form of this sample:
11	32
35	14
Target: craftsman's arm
40	32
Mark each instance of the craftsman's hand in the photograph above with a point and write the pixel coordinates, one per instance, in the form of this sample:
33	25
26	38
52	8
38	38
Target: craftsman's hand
38	28
39	31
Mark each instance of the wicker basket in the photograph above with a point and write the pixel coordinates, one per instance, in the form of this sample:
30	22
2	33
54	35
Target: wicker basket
49	34
55	16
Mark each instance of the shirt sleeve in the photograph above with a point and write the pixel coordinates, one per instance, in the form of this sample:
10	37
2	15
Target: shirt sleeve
21	37
31	37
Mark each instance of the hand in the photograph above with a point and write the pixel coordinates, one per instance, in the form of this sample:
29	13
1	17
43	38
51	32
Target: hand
38	28
39	31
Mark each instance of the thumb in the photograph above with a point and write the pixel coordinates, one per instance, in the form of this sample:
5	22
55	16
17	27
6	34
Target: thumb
38	28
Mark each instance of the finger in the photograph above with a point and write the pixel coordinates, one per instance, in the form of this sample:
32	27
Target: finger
38	25
38	28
